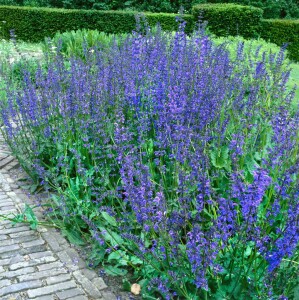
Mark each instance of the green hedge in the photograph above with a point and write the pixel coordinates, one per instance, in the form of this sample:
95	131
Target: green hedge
230	19
34	24
281	32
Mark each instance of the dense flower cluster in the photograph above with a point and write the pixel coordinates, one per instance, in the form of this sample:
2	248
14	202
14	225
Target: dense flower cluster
173	150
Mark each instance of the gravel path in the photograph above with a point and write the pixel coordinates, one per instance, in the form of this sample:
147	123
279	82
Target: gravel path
40	264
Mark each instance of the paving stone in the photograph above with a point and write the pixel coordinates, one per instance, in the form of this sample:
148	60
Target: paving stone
32	263
80	298
23	271
108	295
40	275
87	285
16	296
3	237
49	266
51	289
4	262
9	248
20	234
11	254
71	258
8	209
15	230
11	194
69	293
18	287
67	261
5	222
89	273
35	249
6	161
8	242
47	297
16	259
58	278
40	254
4	283
6	203
27	238
99	283
33	243
54	242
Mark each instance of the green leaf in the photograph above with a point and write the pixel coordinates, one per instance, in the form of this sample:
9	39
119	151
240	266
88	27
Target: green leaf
73	236
34	188
143	283
257	156
115	271
97	256
30	217
135	260
126	285
109	219
248	251
74	185
112	237
250	163
120	257
220	157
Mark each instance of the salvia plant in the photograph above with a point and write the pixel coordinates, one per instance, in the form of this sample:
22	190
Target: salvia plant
178	161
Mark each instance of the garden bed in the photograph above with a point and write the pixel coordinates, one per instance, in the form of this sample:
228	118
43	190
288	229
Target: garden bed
175	160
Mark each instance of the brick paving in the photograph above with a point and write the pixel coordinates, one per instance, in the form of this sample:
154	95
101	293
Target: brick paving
40	264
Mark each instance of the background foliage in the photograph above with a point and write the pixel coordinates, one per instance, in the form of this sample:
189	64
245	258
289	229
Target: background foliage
271	8
281	32
223	20
49	21
230	19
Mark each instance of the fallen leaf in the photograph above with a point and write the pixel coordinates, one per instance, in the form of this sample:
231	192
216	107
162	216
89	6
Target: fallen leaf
135	289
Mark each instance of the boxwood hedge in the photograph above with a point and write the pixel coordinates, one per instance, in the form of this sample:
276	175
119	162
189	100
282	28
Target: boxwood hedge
34	24
281	32
230	19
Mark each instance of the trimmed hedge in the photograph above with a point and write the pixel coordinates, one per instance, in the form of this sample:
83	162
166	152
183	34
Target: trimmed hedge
281	32
34	24
230	19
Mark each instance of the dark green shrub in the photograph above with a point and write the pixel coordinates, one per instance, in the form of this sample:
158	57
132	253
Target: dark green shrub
271	8
281	32
230	19
169	6
34	24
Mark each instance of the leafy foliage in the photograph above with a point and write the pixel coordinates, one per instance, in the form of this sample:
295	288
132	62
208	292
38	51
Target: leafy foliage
175	158
230	19
75	43
50	21
283	32
272	9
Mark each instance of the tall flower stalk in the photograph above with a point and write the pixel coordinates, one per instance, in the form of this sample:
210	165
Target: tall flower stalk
179	162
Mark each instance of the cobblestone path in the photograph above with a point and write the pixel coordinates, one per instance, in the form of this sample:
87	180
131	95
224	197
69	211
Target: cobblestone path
41	264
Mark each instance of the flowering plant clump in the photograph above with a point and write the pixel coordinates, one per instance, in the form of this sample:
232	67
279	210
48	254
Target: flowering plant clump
179	162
